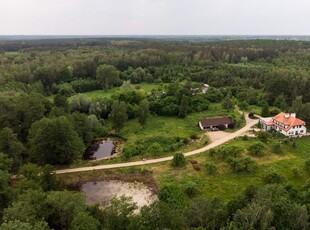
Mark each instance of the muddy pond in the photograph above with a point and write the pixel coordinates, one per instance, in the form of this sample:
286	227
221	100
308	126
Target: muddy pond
102	192
100	149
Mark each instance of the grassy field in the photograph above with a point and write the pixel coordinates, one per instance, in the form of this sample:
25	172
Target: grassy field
107	93
165	127
226	184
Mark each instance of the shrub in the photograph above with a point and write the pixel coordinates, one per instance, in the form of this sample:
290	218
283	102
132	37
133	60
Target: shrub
296	172
174	196
244	164
191	190
178	160
245	137
273	178
212	153
130	151
211	168
256	148
155	149
166	143
231	151
263	136
276	148
85	85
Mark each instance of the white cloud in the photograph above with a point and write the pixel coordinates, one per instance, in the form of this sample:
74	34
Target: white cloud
119	17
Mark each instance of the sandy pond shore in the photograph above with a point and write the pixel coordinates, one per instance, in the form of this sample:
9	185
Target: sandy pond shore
102	192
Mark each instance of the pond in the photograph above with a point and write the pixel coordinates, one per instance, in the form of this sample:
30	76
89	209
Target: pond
102	192
100	150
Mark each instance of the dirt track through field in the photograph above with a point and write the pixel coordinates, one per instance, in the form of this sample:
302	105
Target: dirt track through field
224	139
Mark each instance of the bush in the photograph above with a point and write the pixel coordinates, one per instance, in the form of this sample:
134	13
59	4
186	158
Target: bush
276	148
155	149
191	190
273	178
211	168
296	172
85	85
245	137
174	196
256	148
231	151
178	160
166	143
244	164
263	136
130	151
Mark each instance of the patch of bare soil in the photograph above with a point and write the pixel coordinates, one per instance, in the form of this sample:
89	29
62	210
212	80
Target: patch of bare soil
74	181
216	135
102	192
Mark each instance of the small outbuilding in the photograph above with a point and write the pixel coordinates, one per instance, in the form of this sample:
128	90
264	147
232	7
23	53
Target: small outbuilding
215	123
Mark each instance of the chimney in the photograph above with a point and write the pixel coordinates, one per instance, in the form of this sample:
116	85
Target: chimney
293	114
287	115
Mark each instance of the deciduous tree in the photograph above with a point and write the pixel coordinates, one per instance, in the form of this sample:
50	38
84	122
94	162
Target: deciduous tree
108	75
54	141
118	115
143	111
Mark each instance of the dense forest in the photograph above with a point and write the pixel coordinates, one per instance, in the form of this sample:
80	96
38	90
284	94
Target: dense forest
47	122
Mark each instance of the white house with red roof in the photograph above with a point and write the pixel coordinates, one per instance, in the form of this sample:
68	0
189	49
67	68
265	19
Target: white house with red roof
285	123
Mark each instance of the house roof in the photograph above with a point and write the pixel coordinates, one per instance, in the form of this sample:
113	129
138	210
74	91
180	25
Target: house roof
266	119
215	121
287	120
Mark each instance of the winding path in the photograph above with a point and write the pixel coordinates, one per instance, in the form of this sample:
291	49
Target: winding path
242	131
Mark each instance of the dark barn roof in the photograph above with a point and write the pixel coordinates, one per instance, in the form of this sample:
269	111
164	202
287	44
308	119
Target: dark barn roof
215	121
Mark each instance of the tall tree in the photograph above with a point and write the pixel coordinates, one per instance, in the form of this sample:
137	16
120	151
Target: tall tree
10	145
5	191
144	111
119	115
265	110
183	107
54	141
108	75
228	103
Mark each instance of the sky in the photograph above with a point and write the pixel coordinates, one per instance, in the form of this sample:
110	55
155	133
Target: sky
154	17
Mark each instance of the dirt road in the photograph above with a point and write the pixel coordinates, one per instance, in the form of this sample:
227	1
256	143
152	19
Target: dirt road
216	143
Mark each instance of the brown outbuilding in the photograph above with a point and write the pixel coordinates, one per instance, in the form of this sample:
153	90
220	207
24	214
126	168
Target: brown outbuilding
215	123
